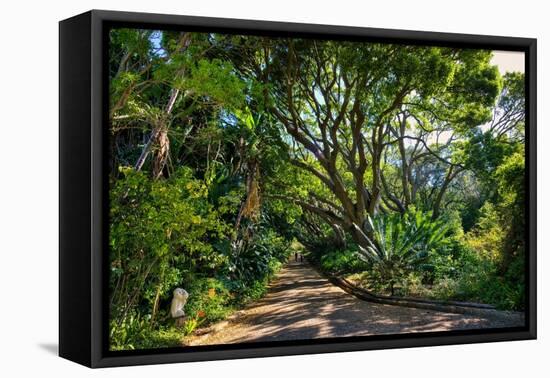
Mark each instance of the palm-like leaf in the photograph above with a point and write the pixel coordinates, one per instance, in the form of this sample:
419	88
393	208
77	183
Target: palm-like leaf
402	241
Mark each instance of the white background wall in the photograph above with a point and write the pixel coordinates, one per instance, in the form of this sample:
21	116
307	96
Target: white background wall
29	189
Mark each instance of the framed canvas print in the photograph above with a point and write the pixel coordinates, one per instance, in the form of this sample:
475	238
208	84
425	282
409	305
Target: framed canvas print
233	188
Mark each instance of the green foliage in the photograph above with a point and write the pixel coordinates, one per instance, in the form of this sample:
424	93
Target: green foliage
161	217
216	80
160	232
480	281
166	234
136	333
254	260
343	261
488	236
402	242
209	300
510	176
408	174
483	154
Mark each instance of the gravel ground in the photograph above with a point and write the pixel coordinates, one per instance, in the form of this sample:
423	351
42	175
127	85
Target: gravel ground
300	304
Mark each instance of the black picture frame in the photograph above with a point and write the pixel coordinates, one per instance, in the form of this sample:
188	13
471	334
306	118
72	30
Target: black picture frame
83	104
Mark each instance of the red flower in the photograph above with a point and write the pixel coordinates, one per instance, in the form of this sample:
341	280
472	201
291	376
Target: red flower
201	314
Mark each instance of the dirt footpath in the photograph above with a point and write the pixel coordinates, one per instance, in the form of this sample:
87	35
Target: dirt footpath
301	304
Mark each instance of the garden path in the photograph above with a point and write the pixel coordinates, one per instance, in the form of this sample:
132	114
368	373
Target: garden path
301	304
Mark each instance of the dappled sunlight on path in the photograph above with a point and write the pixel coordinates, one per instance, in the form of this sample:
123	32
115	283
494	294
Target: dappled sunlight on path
301	304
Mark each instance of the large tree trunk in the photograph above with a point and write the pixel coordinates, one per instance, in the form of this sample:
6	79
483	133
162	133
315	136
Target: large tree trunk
162	152
250	207
405	170
339	236
339	137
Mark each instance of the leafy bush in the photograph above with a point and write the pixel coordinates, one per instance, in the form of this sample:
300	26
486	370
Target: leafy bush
343	261
253	258
166	234
160	233
480	281
488	236
136	333
475	278
402	243
209	300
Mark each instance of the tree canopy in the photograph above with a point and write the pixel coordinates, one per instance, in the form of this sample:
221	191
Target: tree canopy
405	161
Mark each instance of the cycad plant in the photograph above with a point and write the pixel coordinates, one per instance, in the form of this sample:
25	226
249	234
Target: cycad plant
401	243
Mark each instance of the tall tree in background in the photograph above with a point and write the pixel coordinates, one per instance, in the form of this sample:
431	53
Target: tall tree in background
343	104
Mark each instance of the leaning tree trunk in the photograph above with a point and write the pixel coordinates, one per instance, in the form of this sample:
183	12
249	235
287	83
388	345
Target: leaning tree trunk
452	173
159	136
339	236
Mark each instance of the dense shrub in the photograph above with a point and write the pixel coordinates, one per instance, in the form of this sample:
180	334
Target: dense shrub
136	332
343	261
419	257
209	299
402	243
474	278
481	281
166	234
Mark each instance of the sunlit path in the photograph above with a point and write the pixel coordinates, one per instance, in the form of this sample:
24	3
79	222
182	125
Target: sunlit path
301	304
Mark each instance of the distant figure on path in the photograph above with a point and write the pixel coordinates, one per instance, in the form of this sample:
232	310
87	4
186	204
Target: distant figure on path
301	258
296	256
